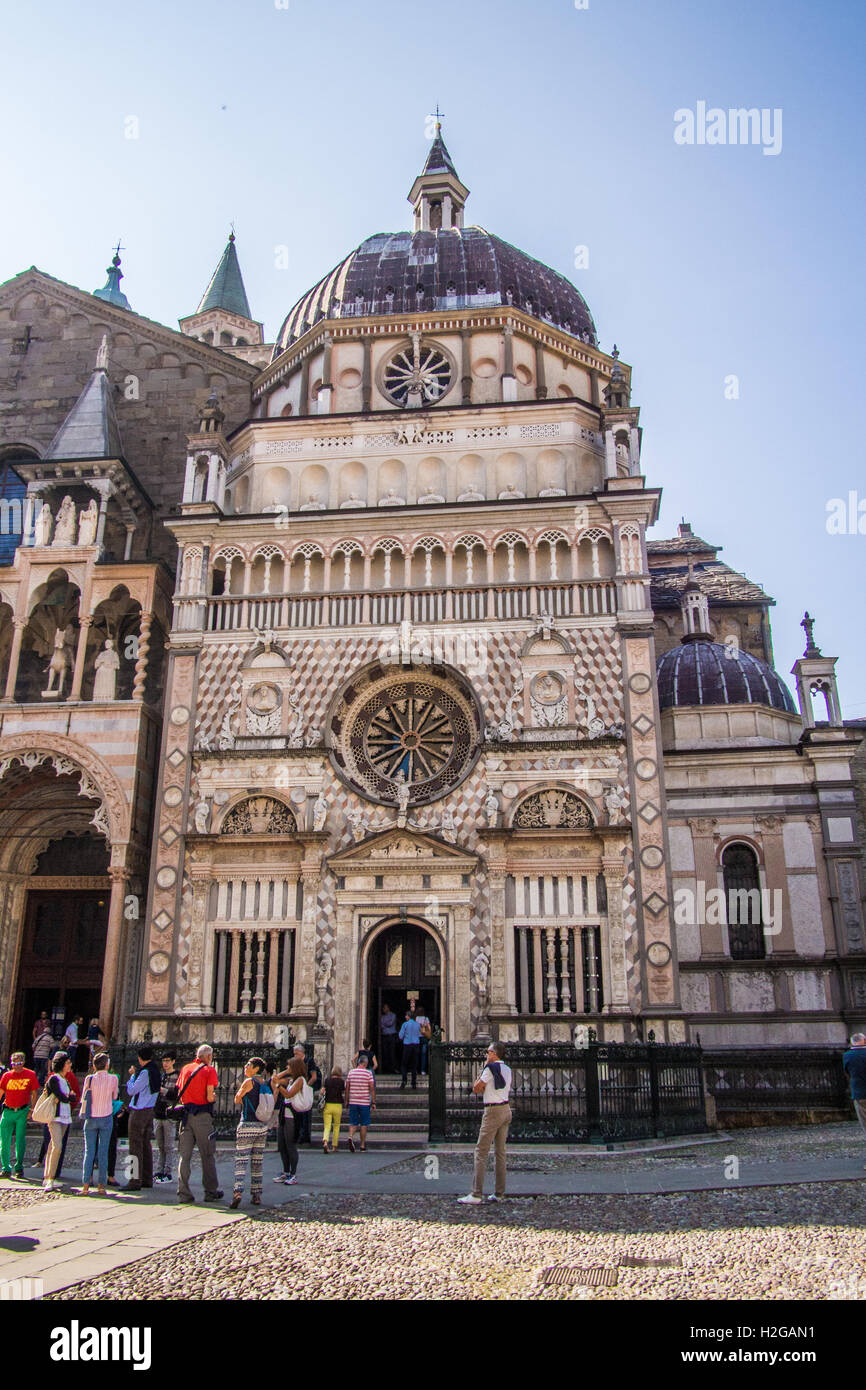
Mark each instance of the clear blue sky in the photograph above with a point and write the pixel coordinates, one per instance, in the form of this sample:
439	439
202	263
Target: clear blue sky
306	125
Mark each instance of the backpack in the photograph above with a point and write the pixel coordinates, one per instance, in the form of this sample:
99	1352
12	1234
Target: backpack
303	1101
265	1113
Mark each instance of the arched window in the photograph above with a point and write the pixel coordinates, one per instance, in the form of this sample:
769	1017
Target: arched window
743	903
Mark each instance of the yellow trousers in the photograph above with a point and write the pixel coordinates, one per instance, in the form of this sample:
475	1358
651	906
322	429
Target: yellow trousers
331	1115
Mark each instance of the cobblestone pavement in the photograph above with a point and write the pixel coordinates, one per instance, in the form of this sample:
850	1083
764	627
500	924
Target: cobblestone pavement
799	1242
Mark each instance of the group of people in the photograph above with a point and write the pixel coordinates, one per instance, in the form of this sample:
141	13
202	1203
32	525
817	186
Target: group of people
414	1033
80	1044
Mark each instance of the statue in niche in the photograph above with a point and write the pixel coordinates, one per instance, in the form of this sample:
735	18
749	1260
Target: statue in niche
44	526
491	808
429	498
448	826
392	499
88	523
107	666
356	821
64	530
323	975
202	817
402	795
471	494
481	973
511	494
614	802
313	504
552	492
353	500
320	812
58	665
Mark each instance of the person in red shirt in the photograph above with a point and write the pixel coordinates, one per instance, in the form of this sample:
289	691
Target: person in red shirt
18	1091
196	1089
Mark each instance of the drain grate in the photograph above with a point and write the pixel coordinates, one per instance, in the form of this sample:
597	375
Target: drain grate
648	1262
597	1277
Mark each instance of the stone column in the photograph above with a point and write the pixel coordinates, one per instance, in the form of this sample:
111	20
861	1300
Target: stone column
498	984
776	876
18	625
119	875
366	376
712	934
198	977
141	658
466	367
304	1003
613	870
85	621
540	377
457	1018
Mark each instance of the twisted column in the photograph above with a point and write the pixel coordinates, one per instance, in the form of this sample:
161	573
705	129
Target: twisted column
141	658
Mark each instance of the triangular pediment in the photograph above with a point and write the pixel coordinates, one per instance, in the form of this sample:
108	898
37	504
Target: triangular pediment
396	846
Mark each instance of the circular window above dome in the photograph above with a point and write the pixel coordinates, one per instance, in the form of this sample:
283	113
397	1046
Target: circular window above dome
417	374
405	735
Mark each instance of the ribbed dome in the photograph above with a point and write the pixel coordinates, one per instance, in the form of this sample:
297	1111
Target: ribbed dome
458	268
706	673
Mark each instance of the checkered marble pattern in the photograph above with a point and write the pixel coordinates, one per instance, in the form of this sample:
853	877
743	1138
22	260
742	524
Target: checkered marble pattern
599	664
479	925
182	944
326	936
218	686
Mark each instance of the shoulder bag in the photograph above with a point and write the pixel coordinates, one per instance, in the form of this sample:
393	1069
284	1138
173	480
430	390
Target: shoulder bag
45	1109
176	1111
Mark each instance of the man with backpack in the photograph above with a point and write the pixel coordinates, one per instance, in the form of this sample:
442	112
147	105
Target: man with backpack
143	1091
196	1090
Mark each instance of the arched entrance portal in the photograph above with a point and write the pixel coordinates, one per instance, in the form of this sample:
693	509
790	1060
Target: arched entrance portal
404	964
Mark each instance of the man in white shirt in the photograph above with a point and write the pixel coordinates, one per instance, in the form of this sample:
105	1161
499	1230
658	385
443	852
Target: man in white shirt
494	1086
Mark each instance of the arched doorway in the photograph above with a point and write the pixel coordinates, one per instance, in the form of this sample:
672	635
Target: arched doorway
404	963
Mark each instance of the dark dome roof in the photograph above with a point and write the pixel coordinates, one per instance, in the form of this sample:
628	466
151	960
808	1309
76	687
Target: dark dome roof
706	673
416	272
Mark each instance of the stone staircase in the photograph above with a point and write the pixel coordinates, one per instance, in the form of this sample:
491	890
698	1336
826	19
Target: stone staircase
399	1120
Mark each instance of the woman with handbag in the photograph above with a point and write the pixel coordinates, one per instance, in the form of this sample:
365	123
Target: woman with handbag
57	1090
290	1085
98	1098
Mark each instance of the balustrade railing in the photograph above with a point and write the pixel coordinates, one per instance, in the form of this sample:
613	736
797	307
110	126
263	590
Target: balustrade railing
383	608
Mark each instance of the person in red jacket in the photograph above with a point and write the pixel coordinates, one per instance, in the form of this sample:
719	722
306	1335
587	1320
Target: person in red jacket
18	1091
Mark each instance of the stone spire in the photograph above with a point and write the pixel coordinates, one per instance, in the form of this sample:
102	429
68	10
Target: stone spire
111	291
226	287
90	430
437	196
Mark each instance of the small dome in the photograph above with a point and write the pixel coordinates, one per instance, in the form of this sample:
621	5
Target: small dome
707	673
418	272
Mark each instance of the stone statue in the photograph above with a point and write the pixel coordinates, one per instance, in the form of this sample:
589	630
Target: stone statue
356	821
448	826
481	973
312	503
202	817
510	494
107	665
58	665
64	531
323	975
430	497
44	525
88	522
392	499
403	790
552	492
614	801
353	500
320	812
471	495
491	808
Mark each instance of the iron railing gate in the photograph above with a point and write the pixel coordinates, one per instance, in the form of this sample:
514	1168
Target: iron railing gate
604	1092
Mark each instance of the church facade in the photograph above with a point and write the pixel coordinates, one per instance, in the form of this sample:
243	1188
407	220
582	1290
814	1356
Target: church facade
375	688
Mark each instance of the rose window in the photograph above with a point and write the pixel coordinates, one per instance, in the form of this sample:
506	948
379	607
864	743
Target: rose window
417	375
415	732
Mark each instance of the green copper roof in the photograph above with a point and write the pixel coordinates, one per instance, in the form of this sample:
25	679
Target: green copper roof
111	290
226	288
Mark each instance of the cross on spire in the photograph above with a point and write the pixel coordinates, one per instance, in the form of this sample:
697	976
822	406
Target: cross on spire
438	114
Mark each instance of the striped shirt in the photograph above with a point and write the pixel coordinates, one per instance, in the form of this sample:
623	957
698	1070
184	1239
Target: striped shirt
103	1090
360	1086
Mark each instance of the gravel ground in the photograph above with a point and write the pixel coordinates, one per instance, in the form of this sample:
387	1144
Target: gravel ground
816	1142
24	1196
800	1242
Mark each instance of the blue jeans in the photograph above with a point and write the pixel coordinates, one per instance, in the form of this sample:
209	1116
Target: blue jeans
96	1132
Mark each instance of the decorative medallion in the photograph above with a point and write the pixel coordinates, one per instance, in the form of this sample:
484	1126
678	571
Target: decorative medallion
166	878
180	715
658	953
651	857
639	683
552	810
259	815
417	374
645	769
405	737
173	796
159	963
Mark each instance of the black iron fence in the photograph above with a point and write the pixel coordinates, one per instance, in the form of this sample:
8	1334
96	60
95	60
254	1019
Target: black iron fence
229	1060
605	1092
778	1081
